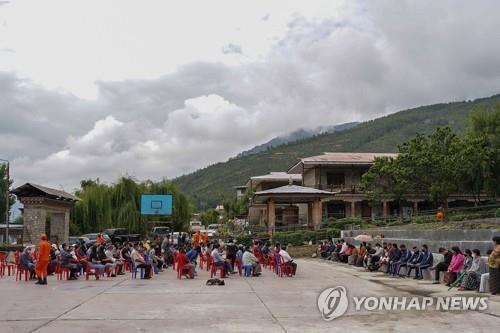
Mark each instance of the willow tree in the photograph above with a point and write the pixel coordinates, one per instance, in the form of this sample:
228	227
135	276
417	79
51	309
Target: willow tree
117	205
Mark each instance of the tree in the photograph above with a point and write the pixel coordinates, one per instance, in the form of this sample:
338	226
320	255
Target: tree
104	206
385	180
485	127
430	164
211	216
12	198
472	165
238	206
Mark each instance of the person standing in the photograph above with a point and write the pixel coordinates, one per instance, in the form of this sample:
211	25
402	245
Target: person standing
231	250
494	266
204	238
43	260
196	238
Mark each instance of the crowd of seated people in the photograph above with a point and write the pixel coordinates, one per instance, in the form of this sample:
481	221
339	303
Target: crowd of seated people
465	270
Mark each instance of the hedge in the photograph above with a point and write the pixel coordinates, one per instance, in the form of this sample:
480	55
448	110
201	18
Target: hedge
300	237
8	248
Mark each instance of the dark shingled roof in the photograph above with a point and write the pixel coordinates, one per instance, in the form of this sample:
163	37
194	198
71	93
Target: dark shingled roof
31	189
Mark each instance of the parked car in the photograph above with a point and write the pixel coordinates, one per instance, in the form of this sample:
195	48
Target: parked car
92	238
120	235
212	230
161	232
76	240
194	226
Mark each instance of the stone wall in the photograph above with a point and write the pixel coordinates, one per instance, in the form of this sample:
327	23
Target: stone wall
301	251
464	239
34	223
36	213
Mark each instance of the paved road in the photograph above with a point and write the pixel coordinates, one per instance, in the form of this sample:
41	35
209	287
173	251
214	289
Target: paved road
265	304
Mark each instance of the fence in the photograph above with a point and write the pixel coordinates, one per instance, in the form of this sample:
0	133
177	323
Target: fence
294	222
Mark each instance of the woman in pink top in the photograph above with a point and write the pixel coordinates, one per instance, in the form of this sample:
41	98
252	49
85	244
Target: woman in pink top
456	264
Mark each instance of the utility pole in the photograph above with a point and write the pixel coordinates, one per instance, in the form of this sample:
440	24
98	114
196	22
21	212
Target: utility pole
7	206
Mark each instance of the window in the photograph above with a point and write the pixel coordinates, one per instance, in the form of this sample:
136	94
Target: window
335	179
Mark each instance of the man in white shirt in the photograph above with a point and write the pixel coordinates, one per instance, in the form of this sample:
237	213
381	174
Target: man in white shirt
287	259
219	261
139	261
249	259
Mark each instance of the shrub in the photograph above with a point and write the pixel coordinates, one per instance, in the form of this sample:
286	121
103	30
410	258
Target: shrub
342	223
256	228
8	248
244	239
423	219
299	237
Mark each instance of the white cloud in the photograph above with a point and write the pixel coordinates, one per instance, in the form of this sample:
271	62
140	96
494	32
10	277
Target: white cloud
163	90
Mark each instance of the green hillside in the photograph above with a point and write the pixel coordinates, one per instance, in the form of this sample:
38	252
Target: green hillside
208	186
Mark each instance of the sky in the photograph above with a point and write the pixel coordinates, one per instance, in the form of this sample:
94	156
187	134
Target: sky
157	89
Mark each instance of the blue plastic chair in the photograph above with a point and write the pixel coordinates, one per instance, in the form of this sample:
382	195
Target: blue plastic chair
247	270
134	271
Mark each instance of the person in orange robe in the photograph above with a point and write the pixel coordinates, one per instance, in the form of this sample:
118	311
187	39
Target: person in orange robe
43	259
204	238
196	239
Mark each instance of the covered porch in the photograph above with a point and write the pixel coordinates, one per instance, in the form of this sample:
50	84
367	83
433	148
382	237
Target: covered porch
294	205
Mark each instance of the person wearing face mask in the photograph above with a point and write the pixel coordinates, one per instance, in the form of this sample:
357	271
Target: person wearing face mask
374	257
467	260
416	258
427	261
472	275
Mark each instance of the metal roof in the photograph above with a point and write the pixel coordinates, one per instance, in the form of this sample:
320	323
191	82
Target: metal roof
293	189
284	176
340	159
292	193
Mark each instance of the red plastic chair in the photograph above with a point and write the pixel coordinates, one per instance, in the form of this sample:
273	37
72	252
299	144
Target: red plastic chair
19	273
239	265
213	271
127	266
62	271
180	268
91	271
209	262
174	260
20	270
203	259
285	268
10	266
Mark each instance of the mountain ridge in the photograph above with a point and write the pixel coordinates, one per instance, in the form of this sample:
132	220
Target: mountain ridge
210	185
296	135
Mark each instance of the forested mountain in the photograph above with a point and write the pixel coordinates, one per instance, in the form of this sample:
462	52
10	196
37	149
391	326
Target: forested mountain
299	134
208	186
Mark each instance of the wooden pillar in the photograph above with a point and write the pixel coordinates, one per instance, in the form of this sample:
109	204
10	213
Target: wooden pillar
384	203
271	215
310	214
353	208
316	214
415	208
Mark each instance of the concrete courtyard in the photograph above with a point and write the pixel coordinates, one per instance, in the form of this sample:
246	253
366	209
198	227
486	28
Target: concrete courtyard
264	304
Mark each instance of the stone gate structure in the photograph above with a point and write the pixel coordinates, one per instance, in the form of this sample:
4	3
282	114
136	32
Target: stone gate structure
45	210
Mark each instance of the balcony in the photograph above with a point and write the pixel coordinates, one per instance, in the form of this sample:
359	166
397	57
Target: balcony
337	188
